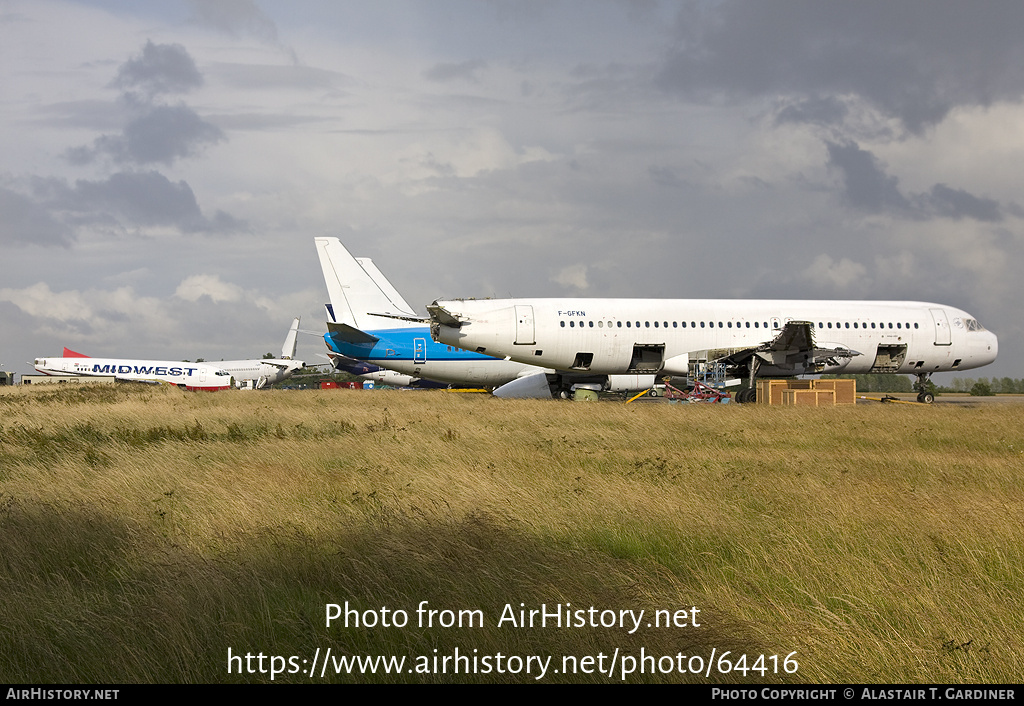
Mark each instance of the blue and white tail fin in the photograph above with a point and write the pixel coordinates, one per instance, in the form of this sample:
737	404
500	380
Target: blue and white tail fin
358	290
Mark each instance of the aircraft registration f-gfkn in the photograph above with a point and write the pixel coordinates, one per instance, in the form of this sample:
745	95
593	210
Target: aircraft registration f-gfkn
591	340
191	376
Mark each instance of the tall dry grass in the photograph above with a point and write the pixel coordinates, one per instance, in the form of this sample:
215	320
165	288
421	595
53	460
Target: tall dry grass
143	532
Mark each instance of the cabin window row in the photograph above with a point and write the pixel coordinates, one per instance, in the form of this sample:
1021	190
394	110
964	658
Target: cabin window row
728	324
661	324
864	325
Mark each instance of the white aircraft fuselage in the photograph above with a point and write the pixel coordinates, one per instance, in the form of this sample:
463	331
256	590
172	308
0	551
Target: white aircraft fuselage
191	376
622	336
262	372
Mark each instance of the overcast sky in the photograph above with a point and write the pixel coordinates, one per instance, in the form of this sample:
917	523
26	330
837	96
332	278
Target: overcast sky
165	166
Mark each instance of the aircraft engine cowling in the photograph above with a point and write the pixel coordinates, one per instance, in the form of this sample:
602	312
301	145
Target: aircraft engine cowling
390	377
630	383
676	366
537	385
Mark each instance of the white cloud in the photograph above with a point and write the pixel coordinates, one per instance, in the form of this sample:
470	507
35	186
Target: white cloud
197	286
572	276
836	275
92	315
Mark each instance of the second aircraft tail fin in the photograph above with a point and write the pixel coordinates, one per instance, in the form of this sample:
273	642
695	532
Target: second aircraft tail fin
288	349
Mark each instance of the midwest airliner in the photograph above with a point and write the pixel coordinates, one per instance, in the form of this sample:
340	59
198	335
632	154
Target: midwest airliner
191	376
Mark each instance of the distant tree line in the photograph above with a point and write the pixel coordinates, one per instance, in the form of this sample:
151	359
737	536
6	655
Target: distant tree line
987	386
979	387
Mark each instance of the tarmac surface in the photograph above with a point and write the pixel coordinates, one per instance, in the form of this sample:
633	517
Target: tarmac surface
960	398
949	398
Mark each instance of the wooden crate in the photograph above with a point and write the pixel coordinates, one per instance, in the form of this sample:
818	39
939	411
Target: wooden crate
846	390
808	398
770	391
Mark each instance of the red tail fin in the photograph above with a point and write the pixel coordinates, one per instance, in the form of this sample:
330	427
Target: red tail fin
68	353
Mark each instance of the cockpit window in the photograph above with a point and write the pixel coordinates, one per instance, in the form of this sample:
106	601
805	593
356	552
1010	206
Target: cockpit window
973	325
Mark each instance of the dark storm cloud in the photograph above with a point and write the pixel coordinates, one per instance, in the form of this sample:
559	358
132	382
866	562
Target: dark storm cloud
143	198
162	135
23	221
466	70
957	204
869	188
914	60
161	68
126	199
155	133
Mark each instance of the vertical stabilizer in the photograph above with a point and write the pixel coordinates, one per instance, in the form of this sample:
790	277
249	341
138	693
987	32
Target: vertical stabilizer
398	304
288	349
354	292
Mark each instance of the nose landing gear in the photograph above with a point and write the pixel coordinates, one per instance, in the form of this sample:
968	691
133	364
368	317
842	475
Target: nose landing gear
924	395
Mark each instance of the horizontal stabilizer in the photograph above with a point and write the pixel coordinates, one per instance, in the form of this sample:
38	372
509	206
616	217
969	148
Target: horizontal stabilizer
442	316
350	334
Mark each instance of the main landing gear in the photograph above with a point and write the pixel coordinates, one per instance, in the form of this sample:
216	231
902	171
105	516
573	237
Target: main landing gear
747	396
750	394
924	395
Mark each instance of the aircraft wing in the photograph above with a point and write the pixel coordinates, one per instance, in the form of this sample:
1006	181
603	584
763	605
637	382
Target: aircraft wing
281	364
791	352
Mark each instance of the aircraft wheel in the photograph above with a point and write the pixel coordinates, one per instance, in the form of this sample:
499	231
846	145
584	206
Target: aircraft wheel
653	392
925	397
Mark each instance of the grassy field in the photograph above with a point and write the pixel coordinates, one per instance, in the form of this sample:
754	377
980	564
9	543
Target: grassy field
144	532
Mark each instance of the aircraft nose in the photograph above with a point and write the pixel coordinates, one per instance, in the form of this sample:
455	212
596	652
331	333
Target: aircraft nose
992	345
